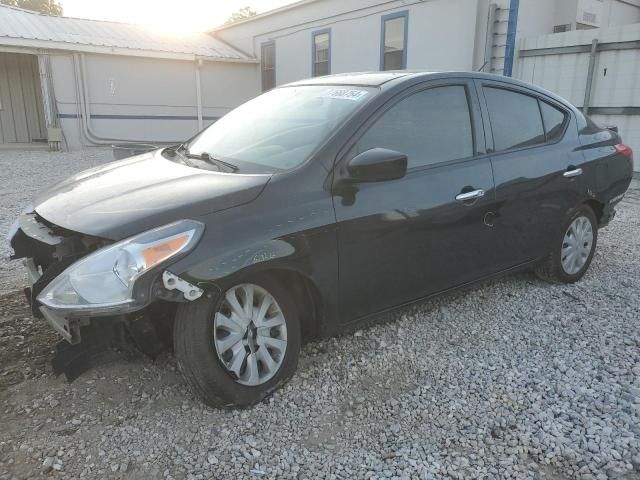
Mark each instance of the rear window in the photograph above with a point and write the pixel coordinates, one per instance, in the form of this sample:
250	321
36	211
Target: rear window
515	119
554	120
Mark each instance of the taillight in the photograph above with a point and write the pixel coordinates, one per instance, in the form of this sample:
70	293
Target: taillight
625	150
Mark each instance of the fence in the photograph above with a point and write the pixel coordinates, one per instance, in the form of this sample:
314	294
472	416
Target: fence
597	70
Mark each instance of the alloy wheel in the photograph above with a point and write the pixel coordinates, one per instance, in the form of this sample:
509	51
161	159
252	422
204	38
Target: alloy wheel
576	245
250	334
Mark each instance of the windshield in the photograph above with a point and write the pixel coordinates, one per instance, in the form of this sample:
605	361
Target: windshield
280	129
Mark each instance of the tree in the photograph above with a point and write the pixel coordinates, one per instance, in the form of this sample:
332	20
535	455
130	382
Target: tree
48	7
244	12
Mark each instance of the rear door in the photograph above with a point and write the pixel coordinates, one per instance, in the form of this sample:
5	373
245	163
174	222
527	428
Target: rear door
401	240
538	174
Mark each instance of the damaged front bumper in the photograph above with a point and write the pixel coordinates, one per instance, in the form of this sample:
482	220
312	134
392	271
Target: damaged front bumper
47	251
50	251
67	328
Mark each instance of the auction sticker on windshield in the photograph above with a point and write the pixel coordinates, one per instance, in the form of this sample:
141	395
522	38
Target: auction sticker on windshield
345	93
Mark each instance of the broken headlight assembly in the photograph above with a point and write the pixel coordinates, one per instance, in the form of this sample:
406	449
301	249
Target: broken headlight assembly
104	281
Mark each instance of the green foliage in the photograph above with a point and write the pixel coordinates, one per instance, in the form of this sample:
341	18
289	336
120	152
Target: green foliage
244	12
48	7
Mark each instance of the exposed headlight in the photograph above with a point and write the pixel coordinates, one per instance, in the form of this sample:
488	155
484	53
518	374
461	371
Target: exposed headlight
104	280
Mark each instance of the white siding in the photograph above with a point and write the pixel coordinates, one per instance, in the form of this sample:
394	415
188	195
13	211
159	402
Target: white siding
122	88
435	41
621	13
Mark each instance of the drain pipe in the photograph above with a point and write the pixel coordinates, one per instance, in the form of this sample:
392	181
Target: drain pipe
199	95
84	130
512	29
593	56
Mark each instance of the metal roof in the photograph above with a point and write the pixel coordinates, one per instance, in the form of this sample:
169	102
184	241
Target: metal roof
24	28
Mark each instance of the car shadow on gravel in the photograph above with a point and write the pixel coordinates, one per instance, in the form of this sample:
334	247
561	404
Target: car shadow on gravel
25	342
27	346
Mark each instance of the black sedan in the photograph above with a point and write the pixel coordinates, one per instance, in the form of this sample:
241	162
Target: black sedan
316	205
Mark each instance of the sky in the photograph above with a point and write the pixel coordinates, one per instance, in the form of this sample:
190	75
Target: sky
168	15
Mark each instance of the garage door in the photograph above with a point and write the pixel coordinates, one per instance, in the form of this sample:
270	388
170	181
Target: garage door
21	111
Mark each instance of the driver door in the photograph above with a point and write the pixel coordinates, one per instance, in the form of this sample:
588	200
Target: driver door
404	239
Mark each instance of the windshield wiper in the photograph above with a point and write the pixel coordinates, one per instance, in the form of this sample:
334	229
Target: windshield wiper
174	150
205	157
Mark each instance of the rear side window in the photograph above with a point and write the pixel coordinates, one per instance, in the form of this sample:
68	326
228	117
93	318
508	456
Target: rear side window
430	127
515	119
554	120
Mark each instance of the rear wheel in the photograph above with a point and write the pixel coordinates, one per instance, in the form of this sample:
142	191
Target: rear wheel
237	349
572	252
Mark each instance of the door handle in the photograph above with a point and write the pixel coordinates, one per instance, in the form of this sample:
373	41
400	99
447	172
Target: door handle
475	194
572	173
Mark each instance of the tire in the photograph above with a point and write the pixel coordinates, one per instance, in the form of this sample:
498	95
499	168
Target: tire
551	268
198	332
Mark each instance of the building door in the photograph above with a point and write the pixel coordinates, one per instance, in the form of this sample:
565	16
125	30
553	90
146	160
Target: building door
21	107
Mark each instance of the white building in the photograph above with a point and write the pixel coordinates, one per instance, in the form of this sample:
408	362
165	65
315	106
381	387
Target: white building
105	82
414	34
86	82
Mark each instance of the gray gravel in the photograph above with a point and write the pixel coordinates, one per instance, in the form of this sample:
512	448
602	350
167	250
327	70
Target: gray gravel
22	175
513	379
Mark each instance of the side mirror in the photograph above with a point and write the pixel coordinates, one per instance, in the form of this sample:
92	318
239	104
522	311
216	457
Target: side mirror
377	165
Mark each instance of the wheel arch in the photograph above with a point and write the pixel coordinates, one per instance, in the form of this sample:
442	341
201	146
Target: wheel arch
597	207
307	297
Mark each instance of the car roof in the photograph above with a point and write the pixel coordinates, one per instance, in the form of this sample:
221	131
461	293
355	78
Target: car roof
393	78
363	79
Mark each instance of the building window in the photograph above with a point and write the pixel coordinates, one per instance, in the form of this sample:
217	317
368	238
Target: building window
321	54
393	48
268	65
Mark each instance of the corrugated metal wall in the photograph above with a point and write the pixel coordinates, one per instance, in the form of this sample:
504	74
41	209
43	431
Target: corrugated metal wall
546	61
21	110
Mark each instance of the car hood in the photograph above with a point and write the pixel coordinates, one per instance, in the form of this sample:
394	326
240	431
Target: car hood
120	199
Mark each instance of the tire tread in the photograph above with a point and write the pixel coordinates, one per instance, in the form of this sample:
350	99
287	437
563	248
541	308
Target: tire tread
549	268
205	376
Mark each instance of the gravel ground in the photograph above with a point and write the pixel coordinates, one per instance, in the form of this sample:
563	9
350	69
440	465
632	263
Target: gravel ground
513	379
22	175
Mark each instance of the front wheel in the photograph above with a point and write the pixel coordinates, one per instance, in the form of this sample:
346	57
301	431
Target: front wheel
237	349
572	252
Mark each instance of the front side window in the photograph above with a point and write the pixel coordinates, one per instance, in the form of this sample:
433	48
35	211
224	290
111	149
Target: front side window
394	41
268	66
321	53
279	129
515	119
430	127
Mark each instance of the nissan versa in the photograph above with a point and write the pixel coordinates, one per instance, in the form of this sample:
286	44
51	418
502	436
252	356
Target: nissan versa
316	205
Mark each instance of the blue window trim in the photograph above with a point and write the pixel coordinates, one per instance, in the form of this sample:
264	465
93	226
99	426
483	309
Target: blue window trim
404	14
270	43
314	34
